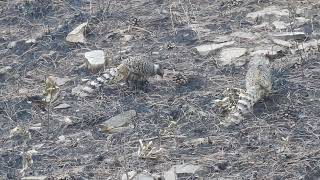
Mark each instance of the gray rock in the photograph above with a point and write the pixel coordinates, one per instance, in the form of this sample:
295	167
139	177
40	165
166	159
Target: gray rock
181	169
280	25
268	11
5	70
245	35
12	44
290	35
120	120
230	55
204	50
282	43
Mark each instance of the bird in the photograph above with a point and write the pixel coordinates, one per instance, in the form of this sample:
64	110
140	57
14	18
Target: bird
258	85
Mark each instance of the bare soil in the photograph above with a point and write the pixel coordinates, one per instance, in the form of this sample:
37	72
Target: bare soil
280	140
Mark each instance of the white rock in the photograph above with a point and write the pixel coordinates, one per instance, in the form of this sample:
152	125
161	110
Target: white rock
95	60
271	10
282	43
126	38
77	91
12	44
269	49
290	35
131	174
229	55
60	81
62	106
34	178
31	41
87	89
5	70
280	25
204	50
301	21
263	26
77	35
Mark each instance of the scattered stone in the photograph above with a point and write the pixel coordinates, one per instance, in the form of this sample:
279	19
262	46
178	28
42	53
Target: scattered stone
221	39
131	175
196	142
244	35
77	91
34	178
5	70
12	44
268	11
230	55
95	60
204	50
300	21
31	41
60	81
271	50
263	26
307	46
62	106
88	89
280	25
118	121
282	43
126	38
290	35
77	35
181	169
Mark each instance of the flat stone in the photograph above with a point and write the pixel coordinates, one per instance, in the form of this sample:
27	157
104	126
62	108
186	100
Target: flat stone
204	50
77	35
181	169
244	35
119	120
270	49
62	106
34	178
271	10
282	43
229	55
95	59
60	81
77	91
289	35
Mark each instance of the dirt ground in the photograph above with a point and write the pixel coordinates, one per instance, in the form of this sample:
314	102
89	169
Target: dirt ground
280	140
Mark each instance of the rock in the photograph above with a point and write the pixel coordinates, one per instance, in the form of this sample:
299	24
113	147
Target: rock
126	38
77	35
62	106
31	41
77	91
282	43
280	25
5	70
95	60
230	55
131	175
12	44
268	11
271	50
204	50
290	36
60	81
263	26
181	169
301	21
306	46
244	35
118	121
221	39
34	178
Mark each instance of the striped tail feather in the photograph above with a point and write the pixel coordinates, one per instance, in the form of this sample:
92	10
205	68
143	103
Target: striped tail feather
243	107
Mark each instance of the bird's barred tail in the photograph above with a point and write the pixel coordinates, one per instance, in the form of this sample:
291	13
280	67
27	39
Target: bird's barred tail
109	76
243	107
